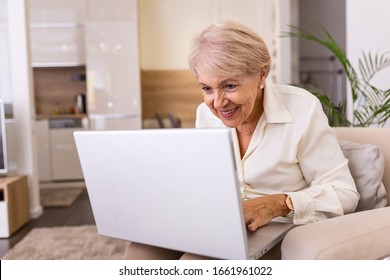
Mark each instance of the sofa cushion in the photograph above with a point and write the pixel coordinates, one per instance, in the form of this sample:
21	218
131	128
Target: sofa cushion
366	164
357	236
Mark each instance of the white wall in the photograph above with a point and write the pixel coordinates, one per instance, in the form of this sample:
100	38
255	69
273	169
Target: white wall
287	64
5	86
23	102
168	26
368	29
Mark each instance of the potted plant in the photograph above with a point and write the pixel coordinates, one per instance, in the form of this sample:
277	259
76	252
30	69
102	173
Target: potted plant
371	105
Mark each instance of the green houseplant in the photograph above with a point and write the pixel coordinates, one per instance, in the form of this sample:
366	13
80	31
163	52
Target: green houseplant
371	105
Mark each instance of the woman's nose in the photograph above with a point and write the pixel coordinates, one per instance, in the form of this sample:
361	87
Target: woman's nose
220	99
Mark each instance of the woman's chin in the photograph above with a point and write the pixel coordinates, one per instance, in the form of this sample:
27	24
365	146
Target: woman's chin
229	123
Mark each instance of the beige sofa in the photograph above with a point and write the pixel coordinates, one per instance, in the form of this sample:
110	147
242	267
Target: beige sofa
364	234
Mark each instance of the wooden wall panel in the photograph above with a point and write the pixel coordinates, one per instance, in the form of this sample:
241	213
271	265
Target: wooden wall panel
174	91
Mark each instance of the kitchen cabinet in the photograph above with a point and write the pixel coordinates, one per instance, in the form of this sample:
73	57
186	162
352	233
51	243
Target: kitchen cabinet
57	154
43	149
64	158
57	32
102	10
62	45
113	69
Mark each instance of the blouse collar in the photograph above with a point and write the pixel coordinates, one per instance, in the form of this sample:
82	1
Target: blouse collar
274	109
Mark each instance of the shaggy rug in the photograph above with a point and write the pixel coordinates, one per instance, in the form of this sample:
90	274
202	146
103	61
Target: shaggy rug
67	243
60	197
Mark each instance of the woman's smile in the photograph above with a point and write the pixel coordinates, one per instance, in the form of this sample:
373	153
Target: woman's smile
228	113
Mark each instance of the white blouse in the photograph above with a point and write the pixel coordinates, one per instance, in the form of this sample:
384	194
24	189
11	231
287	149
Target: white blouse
294	151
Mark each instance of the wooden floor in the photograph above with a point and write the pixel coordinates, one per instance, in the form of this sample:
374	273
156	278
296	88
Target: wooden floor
79	213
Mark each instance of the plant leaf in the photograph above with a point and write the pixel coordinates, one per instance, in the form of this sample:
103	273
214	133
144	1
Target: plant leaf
371	105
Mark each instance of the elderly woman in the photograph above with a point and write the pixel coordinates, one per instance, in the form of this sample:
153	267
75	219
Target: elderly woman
292	167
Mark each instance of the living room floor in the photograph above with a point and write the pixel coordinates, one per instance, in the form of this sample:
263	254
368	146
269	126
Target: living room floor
79	213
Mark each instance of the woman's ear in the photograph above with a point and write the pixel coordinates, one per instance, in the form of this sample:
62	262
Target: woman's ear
262	76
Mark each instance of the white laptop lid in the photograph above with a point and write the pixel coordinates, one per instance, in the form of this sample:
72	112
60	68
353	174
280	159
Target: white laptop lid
172	188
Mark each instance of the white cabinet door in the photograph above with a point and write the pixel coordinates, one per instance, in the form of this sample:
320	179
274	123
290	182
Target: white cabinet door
57	46
57	32
43	150
112	62
64	157
56	11
114	84
111	10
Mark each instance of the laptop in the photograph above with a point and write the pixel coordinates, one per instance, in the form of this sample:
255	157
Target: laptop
171	188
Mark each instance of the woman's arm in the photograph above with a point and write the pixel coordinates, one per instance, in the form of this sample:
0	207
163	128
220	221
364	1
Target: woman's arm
331	191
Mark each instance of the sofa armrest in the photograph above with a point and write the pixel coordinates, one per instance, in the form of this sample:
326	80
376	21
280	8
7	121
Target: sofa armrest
362	235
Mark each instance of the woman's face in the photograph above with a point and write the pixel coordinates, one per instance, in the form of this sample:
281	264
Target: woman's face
235	101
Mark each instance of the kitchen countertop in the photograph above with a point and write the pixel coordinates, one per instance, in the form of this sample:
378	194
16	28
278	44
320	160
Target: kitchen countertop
61	116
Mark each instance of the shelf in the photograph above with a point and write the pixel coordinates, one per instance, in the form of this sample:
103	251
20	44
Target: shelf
14	204
63	116
56	25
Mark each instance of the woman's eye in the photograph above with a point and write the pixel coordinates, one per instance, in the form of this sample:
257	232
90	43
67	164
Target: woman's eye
230	87
207	89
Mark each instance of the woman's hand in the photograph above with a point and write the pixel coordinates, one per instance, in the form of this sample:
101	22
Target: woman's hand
261	210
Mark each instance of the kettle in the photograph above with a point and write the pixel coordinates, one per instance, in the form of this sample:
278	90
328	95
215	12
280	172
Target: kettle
81	103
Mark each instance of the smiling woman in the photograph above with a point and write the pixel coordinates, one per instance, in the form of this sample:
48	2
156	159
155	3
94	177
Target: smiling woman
279	132
231	63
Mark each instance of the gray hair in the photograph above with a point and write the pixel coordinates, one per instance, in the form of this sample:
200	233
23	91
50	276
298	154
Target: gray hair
229	49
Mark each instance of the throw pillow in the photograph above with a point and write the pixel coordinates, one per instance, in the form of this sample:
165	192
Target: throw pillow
366	164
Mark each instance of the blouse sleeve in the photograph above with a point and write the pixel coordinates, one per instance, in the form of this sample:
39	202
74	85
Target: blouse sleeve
331	189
